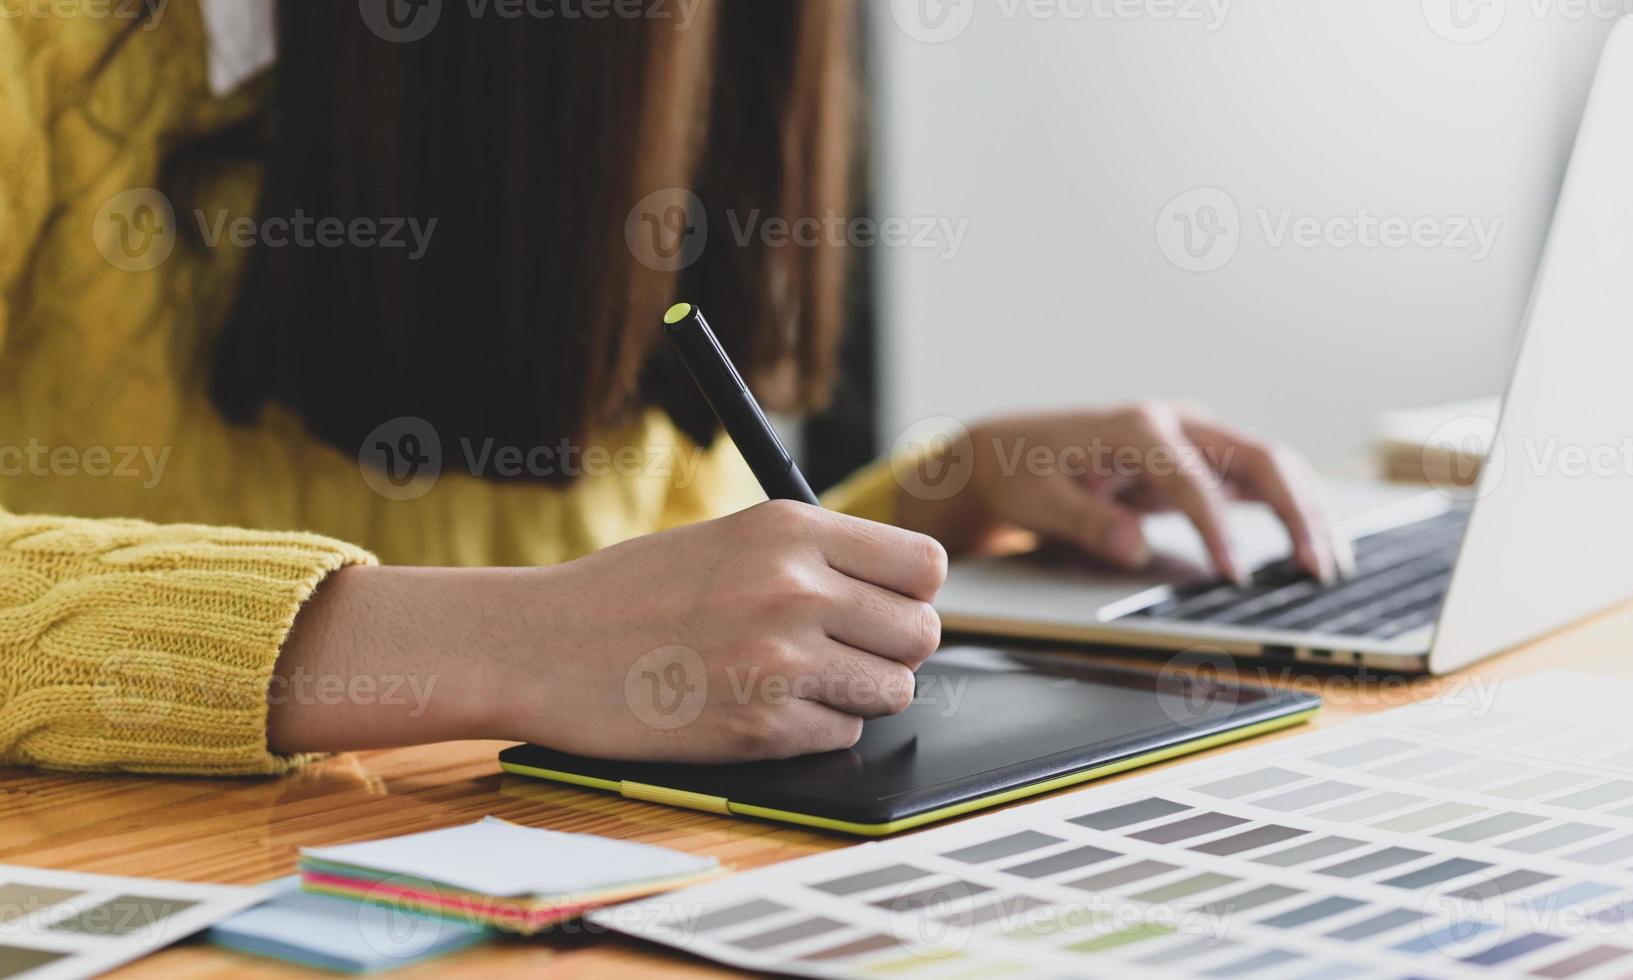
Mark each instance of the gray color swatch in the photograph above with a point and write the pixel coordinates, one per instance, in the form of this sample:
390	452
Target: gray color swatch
1367	807
1138	871
856	947
1383	922
1178	954
1540	785
21	900
20	959
1582	891
1611	850
1434	874
1480	774
1202	823
1128	813
1314	912
1492	826
1002	847
1587	799
1185	887
1502	885
1433	760
1250	899
1077	857
1247	840
1359	755
1376	861
1582	962
893	874
122	915
1249	783
1308	796
803	929
1267	960
1512	949
1010	906
1429	816
1549	838
1315	850
935	895
733	915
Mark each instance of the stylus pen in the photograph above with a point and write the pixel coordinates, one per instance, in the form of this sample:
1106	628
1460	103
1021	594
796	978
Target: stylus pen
735	406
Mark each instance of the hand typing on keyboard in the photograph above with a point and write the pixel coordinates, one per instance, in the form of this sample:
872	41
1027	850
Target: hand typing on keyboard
1398	585
1087	477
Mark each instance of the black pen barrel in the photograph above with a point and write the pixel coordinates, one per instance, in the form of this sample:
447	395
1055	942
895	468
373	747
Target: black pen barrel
734	404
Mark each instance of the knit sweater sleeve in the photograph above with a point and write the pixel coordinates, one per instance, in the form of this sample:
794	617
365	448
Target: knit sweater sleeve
123	645
146	648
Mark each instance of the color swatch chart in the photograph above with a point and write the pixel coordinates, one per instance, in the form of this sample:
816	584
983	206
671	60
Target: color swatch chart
56	925
1489	832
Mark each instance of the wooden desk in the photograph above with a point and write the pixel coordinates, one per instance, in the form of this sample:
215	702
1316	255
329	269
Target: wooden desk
247	831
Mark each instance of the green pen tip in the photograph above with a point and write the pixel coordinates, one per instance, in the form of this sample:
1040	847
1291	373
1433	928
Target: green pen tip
677	313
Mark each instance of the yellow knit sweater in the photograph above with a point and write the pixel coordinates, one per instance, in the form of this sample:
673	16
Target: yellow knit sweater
140	633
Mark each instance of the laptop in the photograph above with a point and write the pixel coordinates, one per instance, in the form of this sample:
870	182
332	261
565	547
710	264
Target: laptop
1443	578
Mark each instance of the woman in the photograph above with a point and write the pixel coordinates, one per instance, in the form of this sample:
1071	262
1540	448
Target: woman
206	327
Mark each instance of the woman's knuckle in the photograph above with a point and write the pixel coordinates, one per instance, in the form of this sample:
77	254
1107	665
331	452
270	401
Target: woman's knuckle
846	732
932	560
751	731
781	512
785	523
896	693
925	630
789	586
1256	450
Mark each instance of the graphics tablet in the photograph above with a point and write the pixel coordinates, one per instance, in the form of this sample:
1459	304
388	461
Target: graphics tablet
985	728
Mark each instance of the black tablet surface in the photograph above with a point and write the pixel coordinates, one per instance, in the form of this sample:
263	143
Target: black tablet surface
986	727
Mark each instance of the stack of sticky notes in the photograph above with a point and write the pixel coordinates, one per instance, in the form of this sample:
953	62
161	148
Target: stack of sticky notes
499	874
339	934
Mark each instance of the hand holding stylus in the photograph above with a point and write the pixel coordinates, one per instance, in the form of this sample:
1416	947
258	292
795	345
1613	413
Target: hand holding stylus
770	633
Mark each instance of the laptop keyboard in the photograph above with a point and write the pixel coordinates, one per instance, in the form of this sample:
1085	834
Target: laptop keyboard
1399	584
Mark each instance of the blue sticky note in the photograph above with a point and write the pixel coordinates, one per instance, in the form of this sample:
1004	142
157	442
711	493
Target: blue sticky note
337	934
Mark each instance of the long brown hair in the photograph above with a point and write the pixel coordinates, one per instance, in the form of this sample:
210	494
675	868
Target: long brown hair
531	316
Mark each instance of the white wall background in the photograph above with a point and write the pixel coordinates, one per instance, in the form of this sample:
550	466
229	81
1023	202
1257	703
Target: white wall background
1058	131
